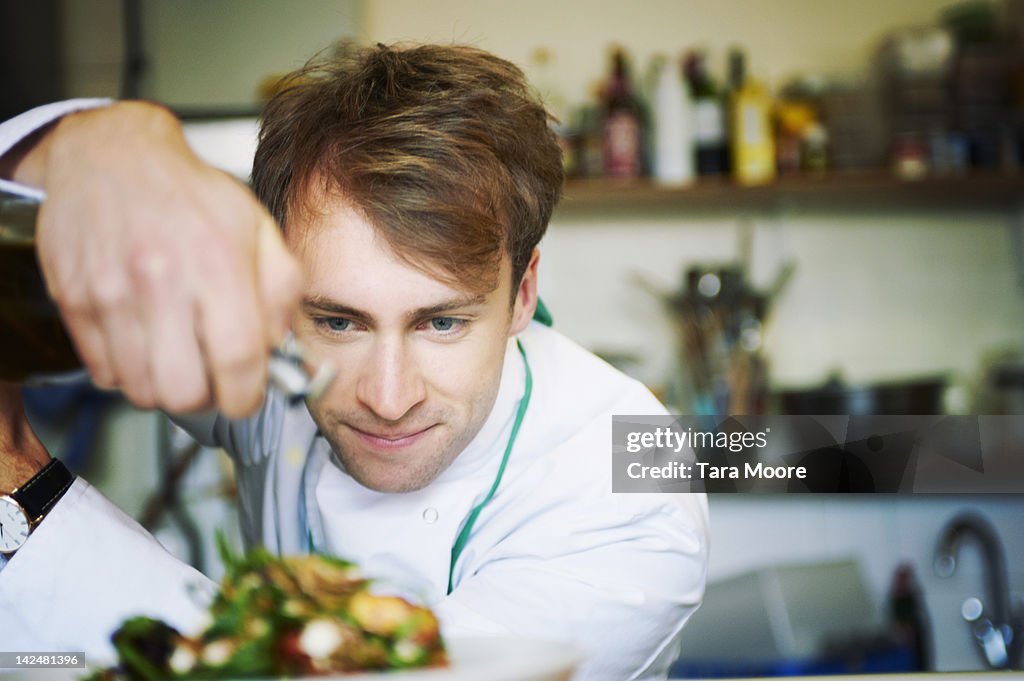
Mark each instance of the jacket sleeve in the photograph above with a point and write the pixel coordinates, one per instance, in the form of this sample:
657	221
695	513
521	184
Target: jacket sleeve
86	568
89	566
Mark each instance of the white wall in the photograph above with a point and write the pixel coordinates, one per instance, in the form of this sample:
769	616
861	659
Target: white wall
200	53
93	47
782	37
209	53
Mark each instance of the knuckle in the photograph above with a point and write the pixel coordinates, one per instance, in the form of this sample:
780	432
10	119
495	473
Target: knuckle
64	291
149	266
109	289
71	300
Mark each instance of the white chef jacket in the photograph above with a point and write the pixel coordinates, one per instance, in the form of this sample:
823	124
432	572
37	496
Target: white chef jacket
554	554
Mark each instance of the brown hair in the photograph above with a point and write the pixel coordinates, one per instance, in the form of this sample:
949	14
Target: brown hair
443	149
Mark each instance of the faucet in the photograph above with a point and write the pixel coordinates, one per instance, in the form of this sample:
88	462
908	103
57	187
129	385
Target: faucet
997	627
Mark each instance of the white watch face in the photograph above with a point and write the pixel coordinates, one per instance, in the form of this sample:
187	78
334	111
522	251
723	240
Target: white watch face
13	525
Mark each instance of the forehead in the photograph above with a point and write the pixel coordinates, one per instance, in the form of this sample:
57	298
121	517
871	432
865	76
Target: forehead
346	259
439	235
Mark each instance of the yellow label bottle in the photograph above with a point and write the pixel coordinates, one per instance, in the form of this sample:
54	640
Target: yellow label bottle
750	128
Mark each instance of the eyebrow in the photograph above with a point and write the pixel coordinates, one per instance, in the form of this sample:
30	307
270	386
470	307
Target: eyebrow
325	304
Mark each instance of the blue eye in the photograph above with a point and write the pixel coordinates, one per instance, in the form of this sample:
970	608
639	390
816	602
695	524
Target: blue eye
336	324
446	325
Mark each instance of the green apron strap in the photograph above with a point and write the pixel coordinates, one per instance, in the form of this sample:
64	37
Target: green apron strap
460	541
542	314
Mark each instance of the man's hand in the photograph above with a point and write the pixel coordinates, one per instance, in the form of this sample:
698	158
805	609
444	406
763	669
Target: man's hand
22	455
172	280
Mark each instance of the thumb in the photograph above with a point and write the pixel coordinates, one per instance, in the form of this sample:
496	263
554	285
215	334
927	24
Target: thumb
280	280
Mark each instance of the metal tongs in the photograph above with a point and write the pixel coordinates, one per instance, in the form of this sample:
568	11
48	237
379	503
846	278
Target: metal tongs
287	373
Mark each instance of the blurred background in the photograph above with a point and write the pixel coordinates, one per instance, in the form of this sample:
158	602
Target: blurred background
774	206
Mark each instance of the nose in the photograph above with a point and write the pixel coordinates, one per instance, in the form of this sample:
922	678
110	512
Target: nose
390	384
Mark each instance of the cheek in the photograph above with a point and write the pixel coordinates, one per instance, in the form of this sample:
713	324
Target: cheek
466	374
462	371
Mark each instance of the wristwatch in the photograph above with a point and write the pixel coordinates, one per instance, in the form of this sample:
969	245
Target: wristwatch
22	509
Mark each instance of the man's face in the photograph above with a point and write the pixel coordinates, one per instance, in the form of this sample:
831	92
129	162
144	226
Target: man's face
419	362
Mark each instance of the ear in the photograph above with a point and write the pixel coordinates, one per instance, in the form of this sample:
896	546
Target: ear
526	296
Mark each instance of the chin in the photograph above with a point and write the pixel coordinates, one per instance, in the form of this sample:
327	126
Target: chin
391	485
407	473
381	479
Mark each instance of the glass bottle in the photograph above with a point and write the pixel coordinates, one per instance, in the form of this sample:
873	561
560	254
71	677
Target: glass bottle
623	123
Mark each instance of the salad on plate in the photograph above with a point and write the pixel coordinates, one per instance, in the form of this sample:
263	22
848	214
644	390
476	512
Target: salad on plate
273	617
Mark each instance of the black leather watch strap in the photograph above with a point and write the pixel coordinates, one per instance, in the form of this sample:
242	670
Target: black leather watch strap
38	495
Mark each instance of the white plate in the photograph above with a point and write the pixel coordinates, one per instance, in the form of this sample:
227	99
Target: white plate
471	659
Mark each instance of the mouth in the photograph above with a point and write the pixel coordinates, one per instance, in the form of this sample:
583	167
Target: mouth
391	441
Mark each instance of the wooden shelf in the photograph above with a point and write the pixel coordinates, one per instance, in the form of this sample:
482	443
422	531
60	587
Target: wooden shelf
862	191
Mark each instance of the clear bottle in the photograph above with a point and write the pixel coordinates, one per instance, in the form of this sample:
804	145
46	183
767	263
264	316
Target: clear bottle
673	148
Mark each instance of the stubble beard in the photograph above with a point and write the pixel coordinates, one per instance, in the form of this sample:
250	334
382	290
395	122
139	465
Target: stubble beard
408	476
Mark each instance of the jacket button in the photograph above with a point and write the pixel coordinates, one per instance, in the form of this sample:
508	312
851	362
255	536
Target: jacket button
430	515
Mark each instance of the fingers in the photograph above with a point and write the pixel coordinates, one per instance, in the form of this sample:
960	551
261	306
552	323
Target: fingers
232	326
127	354
87	337
279	279
103	317
175	362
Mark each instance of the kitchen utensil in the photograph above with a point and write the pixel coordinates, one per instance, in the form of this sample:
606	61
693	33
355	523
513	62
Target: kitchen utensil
35	347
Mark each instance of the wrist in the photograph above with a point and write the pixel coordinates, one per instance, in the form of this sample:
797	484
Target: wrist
17	468
22	455
24	162
68	139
